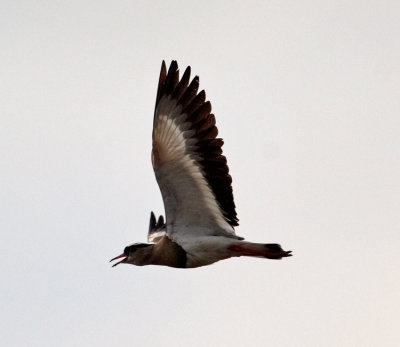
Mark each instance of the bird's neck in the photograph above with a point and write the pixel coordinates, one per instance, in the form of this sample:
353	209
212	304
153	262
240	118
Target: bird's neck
168	253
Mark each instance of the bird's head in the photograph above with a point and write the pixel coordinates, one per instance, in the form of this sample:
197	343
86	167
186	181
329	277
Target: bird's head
136	254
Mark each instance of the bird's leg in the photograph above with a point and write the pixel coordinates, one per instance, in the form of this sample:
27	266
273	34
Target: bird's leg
249	249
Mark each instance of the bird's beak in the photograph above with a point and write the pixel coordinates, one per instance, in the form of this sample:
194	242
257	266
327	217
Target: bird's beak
123	255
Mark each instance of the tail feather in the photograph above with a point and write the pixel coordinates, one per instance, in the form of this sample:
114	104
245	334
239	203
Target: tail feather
250	249
275	251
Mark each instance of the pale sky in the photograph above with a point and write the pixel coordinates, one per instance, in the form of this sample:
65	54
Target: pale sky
306	96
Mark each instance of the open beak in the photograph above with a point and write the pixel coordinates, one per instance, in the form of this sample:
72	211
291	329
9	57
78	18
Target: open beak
123	255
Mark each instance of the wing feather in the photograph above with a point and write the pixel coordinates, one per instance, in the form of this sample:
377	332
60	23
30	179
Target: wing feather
157	229
187	158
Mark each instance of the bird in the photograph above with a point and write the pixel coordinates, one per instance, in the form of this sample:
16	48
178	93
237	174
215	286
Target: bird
195	184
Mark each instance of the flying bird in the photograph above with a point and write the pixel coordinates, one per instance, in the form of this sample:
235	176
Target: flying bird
195	185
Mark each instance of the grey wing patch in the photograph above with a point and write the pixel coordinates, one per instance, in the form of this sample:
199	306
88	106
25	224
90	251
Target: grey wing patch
157	228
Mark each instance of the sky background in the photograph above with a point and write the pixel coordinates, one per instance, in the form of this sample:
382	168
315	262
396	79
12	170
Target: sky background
307	98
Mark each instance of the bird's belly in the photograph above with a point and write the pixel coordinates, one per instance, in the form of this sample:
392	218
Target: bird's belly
207	250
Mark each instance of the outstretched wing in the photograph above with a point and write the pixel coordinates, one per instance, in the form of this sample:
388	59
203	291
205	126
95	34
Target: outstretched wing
187	159
157	229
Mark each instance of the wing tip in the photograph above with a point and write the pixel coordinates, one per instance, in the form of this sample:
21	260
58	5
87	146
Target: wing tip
152	223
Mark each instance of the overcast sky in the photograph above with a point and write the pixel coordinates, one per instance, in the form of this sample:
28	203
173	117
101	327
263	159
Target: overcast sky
306	96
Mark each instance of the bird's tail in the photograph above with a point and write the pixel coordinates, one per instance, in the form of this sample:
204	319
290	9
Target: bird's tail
261	250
